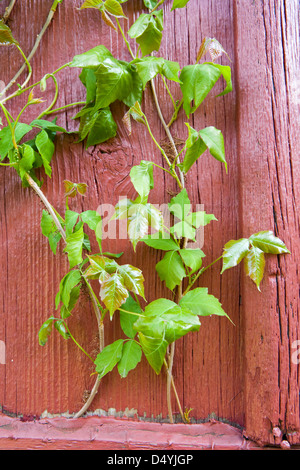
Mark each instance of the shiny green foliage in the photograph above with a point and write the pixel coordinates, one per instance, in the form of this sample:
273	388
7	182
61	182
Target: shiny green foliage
252	251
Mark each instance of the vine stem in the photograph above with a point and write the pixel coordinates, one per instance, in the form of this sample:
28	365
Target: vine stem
169	380
174	117
77	344
59	227
174	390
200	273
173	172
33	51
26	64
8	10
181	184
52	212
125	39
95	388
48	109
158	5
19	92
47	204
52	111
167	130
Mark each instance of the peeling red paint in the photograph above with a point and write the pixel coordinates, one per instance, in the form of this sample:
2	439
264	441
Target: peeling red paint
101	433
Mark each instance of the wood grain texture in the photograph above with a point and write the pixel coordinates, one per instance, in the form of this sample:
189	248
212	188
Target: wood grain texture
267	64
240	373
98	433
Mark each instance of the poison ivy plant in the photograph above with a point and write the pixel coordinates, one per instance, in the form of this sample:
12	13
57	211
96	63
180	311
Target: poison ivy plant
252	250
149	329
198	80
147	31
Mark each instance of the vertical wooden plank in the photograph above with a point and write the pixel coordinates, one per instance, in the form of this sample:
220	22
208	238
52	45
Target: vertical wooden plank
262	40
267	53
208	364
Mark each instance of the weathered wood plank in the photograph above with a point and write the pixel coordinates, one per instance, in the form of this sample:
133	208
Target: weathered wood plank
267	52
46	376
225	370
98	433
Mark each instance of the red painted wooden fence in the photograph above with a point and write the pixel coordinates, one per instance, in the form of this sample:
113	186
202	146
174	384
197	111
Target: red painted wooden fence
245	374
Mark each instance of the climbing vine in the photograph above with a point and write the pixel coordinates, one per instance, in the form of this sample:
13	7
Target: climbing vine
152	330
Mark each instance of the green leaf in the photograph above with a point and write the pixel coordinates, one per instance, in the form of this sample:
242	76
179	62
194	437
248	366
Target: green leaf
61	328
88	78
149	67
180	205
213	139
94	221
122	208
113	292
142	178
192	258
91	218
171	269
102	129
65	312
45	331
201	303
268	243
6	36
147	31
133	279
199	219
54	239
71	280
234	252
127	320
166	320
46	149
225	71
137	223
154	349
49	230
98	126
108	358
183	230
96	268
179	4
159	306
74	244
150	3
91	4
91	58
27	160
47	223
196	82
47	125
71	218
141	217
117	81
86	243
6	143
113	255
198	142
131	356
161	241
114	8
195	147
140	25
254	264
